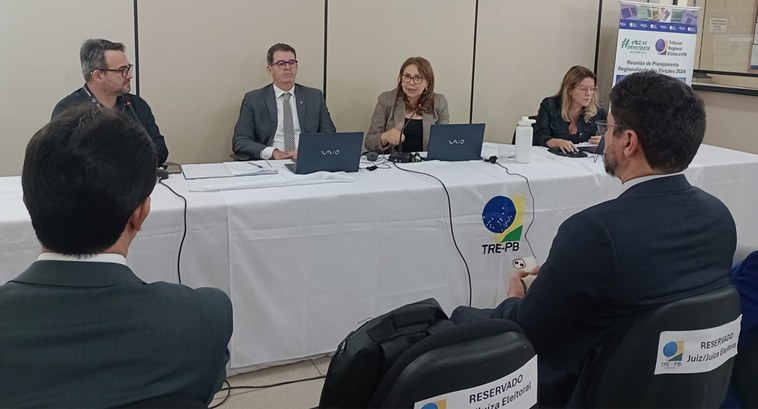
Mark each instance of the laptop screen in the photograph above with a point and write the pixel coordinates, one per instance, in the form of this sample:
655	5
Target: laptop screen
454	142
598	150
330	152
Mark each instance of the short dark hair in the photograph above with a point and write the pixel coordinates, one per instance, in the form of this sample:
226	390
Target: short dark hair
278	47
667	116
83	176
92	55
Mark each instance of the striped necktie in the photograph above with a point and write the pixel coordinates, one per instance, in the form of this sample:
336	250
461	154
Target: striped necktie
288	126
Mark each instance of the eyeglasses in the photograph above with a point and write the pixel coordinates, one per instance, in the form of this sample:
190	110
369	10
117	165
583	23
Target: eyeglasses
125	70
585	90
417	79
284	64
602	127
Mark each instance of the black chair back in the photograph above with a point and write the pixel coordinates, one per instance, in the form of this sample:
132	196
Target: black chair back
167	402
457	358
745	374
535	142
623	373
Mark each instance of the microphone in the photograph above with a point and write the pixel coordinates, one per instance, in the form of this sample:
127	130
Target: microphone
162	174
128	103
399	155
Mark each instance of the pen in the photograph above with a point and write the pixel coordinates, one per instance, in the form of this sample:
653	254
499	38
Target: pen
255	164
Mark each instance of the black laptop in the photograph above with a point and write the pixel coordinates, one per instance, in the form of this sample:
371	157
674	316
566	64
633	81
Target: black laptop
454	142
329	152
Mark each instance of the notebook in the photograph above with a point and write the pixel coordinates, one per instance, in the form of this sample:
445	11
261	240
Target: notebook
224	170
454	142
329	152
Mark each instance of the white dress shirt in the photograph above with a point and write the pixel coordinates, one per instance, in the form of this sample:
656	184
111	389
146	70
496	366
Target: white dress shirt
95	258
642	179
279	135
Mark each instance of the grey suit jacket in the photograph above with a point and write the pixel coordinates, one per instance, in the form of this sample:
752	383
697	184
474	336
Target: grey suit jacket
390	110
91	334
257	122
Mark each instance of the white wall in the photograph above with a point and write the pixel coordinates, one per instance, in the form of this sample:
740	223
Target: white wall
523	49
369	40
197	65
731	119
197	59
39	61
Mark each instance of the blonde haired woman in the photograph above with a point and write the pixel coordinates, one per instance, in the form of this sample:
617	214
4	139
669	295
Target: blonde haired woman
570	116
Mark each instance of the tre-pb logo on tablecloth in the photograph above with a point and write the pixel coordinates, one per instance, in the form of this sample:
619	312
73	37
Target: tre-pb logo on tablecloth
504	217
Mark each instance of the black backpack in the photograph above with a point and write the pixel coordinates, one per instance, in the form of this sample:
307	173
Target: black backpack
367	353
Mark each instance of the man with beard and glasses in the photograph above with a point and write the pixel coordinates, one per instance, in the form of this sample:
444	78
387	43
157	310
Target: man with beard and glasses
107	83
273	117
660	241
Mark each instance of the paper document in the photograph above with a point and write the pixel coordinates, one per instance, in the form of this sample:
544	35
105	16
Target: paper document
225	170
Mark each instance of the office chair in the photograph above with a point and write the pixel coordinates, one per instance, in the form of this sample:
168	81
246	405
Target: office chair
623	373
745	372
457	358
167	402
744	375
534	140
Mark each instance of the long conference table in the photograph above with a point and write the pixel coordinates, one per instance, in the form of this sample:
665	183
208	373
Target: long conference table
305	265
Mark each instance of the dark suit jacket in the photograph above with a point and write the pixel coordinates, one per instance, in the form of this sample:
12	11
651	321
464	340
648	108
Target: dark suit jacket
660	241
550	123
257	122
89	334
139	110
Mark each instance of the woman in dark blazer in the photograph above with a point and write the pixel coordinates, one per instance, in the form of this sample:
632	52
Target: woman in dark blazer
405	114
569	117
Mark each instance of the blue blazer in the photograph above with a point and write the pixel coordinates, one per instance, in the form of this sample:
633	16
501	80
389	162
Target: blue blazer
658	242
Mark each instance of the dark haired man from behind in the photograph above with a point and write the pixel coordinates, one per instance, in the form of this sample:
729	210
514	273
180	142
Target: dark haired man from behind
660	241
107	82
273	117
78	328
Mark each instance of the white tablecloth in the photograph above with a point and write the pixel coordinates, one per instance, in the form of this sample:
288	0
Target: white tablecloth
304	265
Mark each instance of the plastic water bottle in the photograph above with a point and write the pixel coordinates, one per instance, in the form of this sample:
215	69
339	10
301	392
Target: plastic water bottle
524	140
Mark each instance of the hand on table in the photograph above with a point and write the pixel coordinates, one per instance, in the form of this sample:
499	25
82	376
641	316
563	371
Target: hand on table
517	287
565	145
279	155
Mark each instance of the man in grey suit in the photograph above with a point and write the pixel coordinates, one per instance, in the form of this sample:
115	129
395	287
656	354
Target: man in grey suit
660	241
78	328
272	118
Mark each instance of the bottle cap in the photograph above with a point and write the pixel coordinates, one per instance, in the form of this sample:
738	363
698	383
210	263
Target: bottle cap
526	121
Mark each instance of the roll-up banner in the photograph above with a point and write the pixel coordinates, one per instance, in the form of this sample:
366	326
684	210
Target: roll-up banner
661	38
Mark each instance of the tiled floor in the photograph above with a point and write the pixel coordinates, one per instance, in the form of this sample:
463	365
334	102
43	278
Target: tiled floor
297	395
